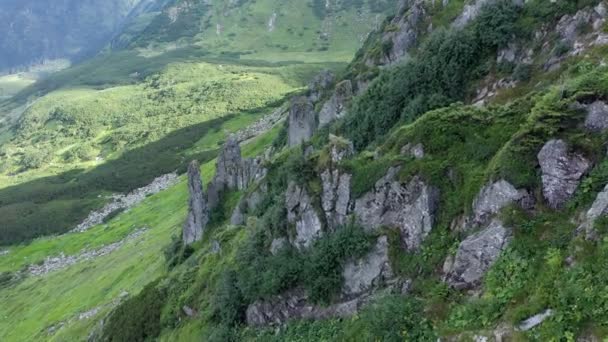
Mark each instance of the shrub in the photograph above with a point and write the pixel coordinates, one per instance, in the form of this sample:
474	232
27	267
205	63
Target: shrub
138	318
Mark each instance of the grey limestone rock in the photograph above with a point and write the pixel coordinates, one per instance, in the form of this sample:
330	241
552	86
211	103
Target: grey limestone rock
302	121
561	172
301	213
597	116
408	207
475	255
335	107
371	271
198	211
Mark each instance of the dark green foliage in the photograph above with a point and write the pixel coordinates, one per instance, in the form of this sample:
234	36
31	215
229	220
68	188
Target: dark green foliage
522	72
259	275
176	252
439	74
138	318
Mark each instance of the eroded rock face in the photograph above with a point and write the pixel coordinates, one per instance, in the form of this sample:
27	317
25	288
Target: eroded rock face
247	204
302	121
320	83
233	172
294	305
476	254
597	116
561	172
301	212
494	197
369	272
335	107
415	151
408	26
409	207
336	198
597	210
198	211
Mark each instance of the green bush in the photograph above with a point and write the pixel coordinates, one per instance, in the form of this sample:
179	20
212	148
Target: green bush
138	318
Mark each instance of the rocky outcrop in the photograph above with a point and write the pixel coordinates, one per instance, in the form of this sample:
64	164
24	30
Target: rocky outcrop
233	172
336	198
278	245
475	255
302	121
335	107
561	172
597	210
294	305
408	207
571	35
302	214
405	31
597	116
125	202
319	84
198	211
361	276
493	198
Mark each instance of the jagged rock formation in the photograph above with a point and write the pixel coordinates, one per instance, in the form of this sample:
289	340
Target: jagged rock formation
125	202
409	207
336	198
597	116
361	276
561	172
476	254
319	84
494	197
407	26
335	107
301	213
233	172
198	211
302	121
262	125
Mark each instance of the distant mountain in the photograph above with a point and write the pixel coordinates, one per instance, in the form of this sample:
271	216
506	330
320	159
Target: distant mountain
34	31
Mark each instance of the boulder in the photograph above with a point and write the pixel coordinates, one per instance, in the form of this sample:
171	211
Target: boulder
494	197
597	210
597	116
302	121
408	207
535	320
335	107
369	272
475	255
302	214
198	211
561	172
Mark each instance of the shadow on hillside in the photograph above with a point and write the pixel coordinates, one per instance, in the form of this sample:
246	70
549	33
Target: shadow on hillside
55	204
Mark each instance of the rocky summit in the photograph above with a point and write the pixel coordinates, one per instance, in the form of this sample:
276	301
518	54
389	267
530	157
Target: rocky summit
321	170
